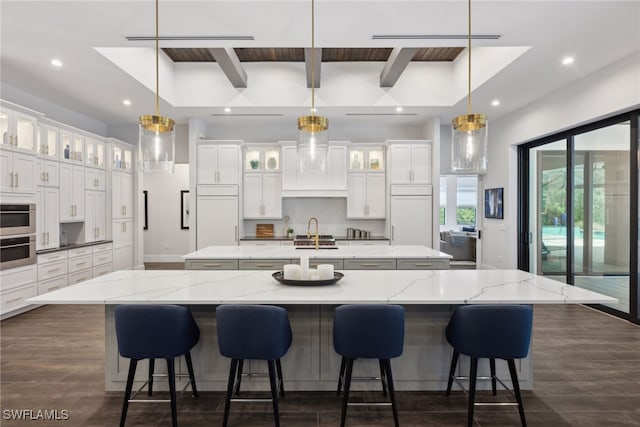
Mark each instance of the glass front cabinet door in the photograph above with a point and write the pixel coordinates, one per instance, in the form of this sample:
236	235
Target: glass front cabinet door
368	159
95	153
262	159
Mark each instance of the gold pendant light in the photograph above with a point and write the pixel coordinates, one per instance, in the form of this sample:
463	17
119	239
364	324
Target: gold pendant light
313	138
469	144
157	137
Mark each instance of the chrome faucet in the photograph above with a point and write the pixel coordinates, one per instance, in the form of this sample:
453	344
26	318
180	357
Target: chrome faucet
316	238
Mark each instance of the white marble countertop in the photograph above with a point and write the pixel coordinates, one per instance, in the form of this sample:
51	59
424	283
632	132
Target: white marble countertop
357	286
273	252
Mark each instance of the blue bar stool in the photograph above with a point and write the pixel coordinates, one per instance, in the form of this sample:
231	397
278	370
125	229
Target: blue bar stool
155	332
491	332
253	332
368	331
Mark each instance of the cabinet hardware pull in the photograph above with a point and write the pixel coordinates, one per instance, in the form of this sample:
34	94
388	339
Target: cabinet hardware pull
81	263
47	176
211	265
16	180
423	264
42	177
11	175
10	139
103	258
15	139
236	233
13	300
369	264
47	237
264	265
44	238
54	288
392	232
54	270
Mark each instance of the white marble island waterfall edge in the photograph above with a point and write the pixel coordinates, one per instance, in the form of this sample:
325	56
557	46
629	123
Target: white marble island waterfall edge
429	297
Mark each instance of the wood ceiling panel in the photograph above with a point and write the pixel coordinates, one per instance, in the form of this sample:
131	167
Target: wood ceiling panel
297	54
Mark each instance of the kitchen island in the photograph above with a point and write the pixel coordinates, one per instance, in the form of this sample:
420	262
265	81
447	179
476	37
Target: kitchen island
378	257
429	298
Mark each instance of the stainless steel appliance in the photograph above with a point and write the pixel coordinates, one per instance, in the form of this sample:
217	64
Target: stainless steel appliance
17	219
17	251
325	241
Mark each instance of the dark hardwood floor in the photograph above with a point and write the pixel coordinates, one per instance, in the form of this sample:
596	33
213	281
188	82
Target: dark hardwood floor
586	364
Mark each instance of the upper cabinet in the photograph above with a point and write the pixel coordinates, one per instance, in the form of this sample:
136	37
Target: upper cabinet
262	182
331	181
121	158
262	159
366	159
72	146
95	153
48	142
18	130
409	162
219	162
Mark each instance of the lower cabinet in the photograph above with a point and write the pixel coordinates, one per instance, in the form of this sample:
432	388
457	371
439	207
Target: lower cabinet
262	264
16	286
212	264
370	264
122	234
217	221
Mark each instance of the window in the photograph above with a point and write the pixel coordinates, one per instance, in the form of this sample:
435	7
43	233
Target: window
443	200
458	201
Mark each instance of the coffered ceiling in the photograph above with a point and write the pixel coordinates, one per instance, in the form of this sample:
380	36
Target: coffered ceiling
518	48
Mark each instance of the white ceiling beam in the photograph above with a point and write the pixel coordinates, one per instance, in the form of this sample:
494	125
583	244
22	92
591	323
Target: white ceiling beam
230	64
396	64
317	59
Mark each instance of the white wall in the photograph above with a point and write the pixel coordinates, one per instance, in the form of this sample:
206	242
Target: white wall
164	240
605	93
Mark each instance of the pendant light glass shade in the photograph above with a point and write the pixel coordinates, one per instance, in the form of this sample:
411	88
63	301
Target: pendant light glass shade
313	144
157	136
313	135
469	144
470	133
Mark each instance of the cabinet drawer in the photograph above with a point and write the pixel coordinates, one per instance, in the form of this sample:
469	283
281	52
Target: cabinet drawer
107	247
263	264
79	252
54	256
80	263
286	242
15	299
80	276
313	263
52	269
101	270
422	264
368	243
52	284
102	258
16	277
369	264
212	264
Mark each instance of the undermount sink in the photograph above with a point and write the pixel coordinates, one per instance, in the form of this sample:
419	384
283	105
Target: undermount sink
325	241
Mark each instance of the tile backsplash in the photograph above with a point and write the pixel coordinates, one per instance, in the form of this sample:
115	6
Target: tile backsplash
331	214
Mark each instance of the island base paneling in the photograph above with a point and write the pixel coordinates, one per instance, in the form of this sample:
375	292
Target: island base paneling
311	363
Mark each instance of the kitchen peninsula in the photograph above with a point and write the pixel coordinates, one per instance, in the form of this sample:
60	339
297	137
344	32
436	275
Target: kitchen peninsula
376	257
429	298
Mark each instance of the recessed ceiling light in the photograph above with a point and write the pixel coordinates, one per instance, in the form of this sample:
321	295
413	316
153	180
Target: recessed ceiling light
398	109
227	109
495	102
56	62
567	60
126	102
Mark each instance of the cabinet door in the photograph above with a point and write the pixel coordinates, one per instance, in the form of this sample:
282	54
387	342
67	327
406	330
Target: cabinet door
337	165
52	216
421	164
252	195
95	179
126	192
78	192
66	188
207	164
217	221
6	171
376	195
24	173
411	220
89	222
117	209
289	168
400	164
25	132
41	232
101	216
356	195
51	171
272	195
228	164
122	235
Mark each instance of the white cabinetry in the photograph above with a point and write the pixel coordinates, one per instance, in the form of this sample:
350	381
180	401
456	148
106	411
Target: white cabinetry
95	223
48	142
48	218
218	163
217	220
52	272
80	263
72	146
95	153
18	130
121	195
366	195
17	171
333	181
409	162
71	192
262	195
102	257
16	286
95	179
122	235
411	220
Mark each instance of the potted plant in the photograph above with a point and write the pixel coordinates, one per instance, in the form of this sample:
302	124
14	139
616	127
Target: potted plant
290	233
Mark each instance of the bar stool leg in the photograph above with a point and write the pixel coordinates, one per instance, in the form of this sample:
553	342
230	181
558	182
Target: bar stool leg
238	377
452	371
280	382
151	369
274	390
347	385
192	377
382	377
516	390
127	392
341	376
171	373
472	390
492	365
227	401
392	393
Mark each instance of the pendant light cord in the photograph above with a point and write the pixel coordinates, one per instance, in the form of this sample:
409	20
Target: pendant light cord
469	53
157	67
313	60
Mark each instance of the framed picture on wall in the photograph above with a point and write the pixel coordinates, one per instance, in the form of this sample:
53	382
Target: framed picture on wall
184	209
146	211
493	203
